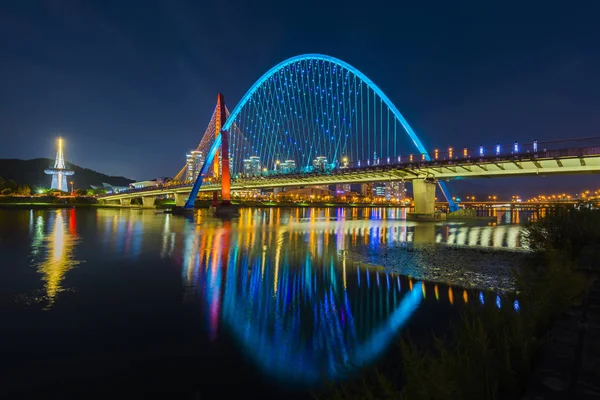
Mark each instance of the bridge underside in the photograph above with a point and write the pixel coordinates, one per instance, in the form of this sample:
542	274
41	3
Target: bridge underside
433	170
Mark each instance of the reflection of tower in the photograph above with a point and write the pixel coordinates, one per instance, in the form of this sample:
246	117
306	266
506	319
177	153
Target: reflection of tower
60	243
59	172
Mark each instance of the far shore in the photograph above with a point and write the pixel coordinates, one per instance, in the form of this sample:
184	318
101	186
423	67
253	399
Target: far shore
199	205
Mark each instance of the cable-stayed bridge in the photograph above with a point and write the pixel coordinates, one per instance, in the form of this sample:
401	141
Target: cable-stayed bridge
316	120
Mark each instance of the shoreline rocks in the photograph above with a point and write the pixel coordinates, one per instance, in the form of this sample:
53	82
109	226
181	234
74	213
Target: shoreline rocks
467	267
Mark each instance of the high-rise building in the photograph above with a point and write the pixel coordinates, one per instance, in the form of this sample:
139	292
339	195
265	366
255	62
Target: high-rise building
231	164
320	163
59	172
395	190
379	190
366	189
252	166
194	160
343	189
286	166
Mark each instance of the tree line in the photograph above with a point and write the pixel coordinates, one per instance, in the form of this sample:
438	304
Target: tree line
9	186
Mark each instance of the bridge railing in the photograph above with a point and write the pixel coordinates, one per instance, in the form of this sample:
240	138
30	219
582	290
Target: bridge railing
544	149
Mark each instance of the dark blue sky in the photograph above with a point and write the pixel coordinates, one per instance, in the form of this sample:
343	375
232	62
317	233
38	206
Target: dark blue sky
131	84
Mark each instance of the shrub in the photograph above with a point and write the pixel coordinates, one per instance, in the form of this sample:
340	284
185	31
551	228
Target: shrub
569	231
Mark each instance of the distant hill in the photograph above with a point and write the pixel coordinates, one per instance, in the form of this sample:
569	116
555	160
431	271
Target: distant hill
31	172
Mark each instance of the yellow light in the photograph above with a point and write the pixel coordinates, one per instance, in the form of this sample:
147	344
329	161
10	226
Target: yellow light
450	152
410	158
436	154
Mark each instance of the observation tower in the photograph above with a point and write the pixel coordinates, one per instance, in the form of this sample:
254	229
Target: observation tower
59	172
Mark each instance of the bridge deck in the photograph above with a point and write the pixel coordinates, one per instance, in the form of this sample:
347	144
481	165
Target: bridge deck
567	161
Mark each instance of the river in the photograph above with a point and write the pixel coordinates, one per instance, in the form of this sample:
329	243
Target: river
267	304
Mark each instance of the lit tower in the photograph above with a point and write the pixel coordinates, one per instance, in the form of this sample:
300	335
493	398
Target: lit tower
59	172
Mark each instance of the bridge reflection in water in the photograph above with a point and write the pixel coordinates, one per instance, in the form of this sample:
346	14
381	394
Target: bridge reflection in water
289	296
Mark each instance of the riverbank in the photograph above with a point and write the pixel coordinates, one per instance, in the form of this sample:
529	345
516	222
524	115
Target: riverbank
568	367
44	206
451	265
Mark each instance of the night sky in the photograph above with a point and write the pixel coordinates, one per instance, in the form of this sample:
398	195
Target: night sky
132	84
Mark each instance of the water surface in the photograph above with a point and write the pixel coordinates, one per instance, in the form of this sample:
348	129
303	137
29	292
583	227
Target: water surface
134	301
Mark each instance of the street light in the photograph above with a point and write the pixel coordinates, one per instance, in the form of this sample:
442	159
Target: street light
72	188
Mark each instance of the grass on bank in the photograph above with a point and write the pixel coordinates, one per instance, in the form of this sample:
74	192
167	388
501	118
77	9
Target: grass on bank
489	353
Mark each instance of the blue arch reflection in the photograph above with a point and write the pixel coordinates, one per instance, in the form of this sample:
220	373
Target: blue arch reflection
298	323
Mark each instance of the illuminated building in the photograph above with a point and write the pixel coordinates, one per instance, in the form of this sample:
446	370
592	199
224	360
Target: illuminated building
320	163
252	166
395	190
366	189
308	191
194	160
342	190
110	188
143	184
59	172
231	163
379	190
286	166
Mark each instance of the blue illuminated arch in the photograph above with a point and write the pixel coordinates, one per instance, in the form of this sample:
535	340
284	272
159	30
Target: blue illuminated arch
321	57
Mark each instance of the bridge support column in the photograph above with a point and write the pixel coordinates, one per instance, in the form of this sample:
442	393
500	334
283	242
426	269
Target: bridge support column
148	201
180	199
424	197
225	209
125	202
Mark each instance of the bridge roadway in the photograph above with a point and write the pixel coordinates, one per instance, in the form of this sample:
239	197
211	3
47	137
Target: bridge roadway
555	162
